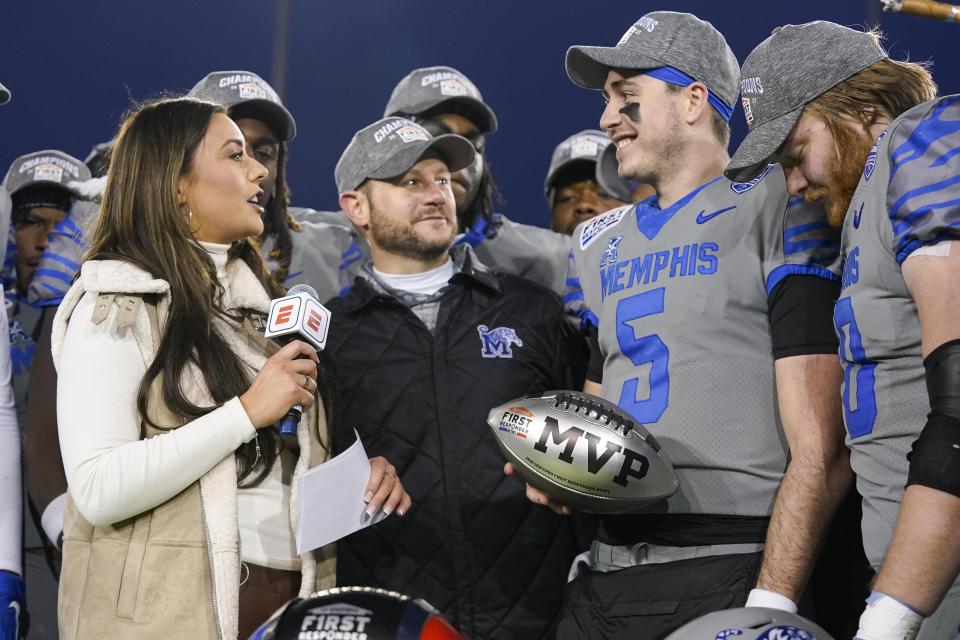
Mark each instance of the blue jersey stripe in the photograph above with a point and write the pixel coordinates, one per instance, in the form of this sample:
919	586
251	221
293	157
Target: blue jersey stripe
902	224
67	227
588	318
56	275
927	131
475	234
67	262
909	244
945	158
791	246
650	218
777	275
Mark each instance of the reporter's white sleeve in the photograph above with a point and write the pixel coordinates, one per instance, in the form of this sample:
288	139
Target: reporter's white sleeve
112	474
11	480
51	520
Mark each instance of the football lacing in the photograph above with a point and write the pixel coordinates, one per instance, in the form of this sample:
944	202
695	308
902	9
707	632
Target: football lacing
578	403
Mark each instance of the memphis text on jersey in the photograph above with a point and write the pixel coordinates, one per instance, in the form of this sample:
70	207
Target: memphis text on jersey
679	262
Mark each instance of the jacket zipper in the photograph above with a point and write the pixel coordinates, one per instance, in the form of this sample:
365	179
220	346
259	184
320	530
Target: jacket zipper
213	588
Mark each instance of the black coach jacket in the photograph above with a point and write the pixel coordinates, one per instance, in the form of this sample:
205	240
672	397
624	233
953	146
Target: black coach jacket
472	545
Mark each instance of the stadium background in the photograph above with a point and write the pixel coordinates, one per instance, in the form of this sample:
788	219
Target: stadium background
75	66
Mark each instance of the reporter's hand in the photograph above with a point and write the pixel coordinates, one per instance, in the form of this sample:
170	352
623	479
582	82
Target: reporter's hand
285	380
12	592
539	497
384	489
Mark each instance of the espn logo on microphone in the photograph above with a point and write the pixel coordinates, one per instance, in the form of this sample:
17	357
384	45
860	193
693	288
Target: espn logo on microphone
299	314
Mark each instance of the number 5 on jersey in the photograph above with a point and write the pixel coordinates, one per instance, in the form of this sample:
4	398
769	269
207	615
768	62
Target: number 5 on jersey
642	350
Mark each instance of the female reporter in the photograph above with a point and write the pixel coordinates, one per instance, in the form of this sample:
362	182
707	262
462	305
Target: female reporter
181	512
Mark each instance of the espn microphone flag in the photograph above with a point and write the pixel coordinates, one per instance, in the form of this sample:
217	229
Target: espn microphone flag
299	314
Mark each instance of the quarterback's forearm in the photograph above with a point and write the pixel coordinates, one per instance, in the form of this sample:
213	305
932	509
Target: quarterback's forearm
808	497
818	476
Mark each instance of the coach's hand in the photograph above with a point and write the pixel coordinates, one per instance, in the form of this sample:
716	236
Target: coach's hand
539	497
384	490
286	379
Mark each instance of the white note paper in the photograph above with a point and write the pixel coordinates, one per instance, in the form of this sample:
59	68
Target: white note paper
331	499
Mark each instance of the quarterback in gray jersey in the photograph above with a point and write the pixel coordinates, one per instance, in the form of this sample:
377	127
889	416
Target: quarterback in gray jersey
896	192
691	296
707	265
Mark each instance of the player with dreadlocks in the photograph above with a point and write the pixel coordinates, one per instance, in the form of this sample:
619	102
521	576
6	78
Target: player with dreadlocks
297	247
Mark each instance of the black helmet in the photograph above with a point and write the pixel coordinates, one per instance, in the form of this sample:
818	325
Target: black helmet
355	613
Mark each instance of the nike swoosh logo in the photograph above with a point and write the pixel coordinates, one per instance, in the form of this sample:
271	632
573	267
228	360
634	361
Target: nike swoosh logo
856	217
16	616
710	216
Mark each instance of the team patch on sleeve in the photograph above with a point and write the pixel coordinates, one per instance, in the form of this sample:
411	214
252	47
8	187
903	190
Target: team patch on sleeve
743	187
594	228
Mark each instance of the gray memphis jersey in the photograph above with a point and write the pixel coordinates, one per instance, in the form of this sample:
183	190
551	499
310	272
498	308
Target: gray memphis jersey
534	253
318	251
680	300
908	197
66	244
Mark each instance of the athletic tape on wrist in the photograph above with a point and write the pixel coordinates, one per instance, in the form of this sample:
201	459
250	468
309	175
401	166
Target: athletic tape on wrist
886	618
770	600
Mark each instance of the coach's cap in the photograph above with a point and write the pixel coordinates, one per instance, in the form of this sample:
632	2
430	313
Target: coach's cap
783	73
47	167
663	39
389	147
4	95
423	89
245	94
580	155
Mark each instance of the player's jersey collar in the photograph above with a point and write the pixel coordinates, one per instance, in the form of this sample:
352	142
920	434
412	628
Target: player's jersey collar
650	218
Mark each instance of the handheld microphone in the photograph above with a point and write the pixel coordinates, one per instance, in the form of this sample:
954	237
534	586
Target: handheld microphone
298	316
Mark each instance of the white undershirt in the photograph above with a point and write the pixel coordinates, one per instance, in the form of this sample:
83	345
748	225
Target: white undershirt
112	473
426	283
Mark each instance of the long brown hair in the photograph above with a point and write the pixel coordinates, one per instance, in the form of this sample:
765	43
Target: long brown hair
140	222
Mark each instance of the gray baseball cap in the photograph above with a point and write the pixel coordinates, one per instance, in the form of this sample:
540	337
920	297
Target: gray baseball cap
46	167
585	147
795	65
389	147
425	88
248	91
4	95
663	39
608	175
